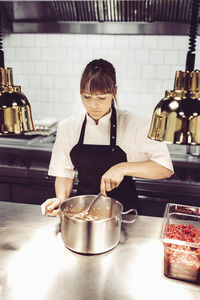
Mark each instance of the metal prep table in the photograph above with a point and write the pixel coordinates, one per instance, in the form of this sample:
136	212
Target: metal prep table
35	264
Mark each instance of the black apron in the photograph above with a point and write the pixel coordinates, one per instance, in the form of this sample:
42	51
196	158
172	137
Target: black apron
92	161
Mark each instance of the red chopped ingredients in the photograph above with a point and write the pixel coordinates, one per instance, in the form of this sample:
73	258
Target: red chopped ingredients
182	262
187	233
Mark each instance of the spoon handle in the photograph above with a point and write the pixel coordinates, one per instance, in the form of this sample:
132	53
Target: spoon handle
93	201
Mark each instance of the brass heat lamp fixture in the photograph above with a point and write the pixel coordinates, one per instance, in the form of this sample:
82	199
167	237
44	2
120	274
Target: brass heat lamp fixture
176	118
15	110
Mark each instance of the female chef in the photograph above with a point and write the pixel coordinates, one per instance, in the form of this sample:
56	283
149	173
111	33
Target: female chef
106	145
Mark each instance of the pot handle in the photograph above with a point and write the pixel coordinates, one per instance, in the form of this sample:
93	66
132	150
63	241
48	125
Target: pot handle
128	211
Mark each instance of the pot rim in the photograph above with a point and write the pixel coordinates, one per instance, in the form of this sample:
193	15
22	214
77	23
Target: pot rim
85	220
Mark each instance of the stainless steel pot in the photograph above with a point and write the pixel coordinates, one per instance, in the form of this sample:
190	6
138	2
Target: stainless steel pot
92	236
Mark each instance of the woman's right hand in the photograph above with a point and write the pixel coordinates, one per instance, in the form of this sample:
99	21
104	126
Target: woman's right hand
51	207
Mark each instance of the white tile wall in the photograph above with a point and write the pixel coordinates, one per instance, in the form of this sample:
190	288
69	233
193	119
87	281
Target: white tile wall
49	67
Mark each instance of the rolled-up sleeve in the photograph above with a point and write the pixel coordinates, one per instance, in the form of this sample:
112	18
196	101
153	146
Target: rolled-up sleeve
155	150
60	163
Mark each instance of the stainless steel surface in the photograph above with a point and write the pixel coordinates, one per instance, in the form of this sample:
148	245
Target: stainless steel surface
86	236
106	10
137	28
194	150
28	142
99	17
34	264
45	127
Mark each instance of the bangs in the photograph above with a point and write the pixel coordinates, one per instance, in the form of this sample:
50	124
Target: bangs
97	85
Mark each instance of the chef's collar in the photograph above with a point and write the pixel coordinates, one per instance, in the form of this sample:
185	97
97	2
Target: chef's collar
103	120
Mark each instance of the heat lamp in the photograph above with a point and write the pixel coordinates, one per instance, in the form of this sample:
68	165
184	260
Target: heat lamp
15	109
176	118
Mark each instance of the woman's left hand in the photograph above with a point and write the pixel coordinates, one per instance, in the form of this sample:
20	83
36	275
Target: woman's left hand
111	179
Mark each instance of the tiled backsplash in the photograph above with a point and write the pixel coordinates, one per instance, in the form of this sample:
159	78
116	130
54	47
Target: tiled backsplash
48	67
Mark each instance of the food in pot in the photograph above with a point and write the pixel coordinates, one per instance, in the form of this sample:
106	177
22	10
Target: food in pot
93	215
180	261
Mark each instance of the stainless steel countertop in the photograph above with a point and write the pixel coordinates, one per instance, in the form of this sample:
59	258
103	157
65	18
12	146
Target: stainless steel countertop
35	264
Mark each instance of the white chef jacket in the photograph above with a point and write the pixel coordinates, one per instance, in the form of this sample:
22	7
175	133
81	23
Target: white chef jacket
132	137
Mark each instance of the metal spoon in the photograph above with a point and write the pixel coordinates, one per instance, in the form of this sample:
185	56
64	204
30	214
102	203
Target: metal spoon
92	203
86	212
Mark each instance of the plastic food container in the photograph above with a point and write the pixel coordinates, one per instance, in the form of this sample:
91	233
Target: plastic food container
181	239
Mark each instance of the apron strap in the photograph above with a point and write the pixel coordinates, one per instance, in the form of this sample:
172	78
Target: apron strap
81	137
113	129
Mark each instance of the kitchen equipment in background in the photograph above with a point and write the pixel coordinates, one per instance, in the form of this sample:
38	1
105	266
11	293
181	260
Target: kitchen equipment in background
44	127
43	136
181	238
92	236
142	17
15	110
194	150
176	118
24	163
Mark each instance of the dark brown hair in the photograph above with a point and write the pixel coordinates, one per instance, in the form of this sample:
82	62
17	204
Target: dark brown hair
98	77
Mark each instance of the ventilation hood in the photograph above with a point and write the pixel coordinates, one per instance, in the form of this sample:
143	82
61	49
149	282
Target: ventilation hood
159	17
